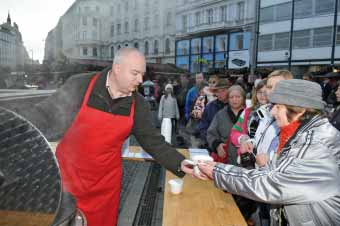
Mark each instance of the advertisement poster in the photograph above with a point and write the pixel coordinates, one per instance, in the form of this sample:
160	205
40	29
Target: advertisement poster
238	59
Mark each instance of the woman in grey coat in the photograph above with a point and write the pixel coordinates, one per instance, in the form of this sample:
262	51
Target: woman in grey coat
168	107
220	127
302	182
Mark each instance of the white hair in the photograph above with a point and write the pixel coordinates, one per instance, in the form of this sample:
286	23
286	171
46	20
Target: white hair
123	52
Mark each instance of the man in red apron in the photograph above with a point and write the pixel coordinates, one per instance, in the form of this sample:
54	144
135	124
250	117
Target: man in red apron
89	153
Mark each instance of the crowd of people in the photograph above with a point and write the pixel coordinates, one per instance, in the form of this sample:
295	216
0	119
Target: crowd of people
279	155
275	154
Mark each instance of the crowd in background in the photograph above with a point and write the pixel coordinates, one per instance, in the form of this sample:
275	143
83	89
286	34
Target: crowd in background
234	121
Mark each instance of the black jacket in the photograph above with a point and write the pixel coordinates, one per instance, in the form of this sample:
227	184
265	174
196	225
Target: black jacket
54	116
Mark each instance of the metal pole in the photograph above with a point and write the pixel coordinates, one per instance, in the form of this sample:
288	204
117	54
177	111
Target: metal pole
257	34
291	36
334	31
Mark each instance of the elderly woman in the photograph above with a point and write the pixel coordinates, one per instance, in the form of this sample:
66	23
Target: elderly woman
303	179
220	127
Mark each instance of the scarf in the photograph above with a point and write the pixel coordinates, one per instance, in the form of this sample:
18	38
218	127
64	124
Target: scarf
286	133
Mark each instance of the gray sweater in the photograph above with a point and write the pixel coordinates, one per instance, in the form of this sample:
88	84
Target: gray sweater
218	132
168	108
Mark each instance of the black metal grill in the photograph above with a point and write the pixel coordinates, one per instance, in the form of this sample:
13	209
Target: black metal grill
31	176
146	211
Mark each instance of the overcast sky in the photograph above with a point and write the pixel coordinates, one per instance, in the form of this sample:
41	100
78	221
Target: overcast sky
35	19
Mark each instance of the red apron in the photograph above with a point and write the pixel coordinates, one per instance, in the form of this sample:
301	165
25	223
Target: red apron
89	157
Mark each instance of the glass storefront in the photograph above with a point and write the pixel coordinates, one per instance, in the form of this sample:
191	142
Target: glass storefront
203	54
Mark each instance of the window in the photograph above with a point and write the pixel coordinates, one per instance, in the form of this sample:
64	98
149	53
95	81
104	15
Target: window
112	52
146	23
167	46
210	14
84	35
111	10
95	51
182	62
126	26
303	8
182	47
322	37
136	45
84	51
281	41
155	47
338	36
221	43
198	18
266	42
267	14
224	13
220	60
284	11
196	46
208	62
184	22
301	39
239	41
95	22
118	9
136	25
112	30
168	19
156	21
195	65
208	44
240	10
324	6
97	9
87	9
146	48
84	20
119	29
126	6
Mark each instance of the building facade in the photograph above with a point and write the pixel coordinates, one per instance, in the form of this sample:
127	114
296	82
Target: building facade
212	35
301	35
91	31
12	50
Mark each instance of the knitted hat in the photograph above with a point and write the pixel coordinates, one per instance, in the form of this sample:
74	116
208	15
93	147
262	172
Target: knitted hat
299	93
169	86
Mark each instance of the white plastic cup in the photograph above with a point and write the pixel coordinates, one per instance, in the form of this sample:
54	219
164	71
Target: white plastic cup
176	186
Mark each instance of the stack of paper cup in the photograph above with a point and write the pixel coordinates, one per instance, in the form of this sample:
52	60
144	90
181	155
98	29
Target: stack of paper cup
166	129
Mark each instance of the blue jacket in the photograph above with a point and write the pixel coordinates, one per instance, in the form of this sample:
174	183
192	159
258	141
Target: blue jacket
190	98
208	115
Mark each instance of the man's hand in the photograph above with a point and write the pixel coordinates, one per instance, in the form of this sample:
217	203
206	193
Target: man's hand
262	159
220	151
207	168
189	167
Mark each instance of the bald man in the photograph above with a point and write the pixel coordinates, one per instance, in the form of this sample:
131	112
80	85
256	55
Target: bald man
94	114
